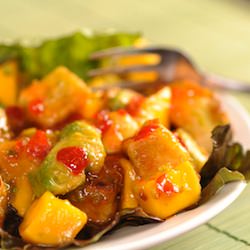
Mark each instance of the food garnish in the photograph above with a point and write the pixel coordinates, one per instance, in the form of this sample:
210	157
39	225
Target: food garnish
76	164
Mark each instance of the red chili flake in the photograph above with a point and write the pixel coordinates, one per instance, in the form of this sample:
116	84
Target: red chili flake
38	145
134	105
165	186
103	121
146	131
36	106
74	158
122	112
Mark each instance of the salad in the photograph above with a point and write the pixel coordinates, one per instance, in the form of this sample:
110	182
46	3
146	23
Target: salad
77	163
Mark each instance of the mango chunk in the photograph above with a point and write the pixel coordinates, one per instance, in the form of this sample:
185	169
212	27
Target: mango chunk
123	126
3	200
128	199
196	110
156	106
51	221
8	82
23	196
170	192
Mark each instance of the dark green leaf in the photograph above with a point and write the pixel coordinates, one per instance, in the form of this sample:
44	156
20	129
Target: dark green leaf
132	217
222	177
225	154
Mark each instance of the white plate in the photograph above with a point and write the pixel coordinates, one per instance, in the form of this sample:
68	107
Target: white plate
143	237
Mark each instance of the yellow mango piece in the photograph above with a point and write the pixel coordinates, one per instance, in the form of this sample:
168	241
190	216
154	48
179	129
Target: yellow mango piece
93	104
51	221
128	199
157	106
23	196
162	198
8	82
112	140
3	200
124	123
123	126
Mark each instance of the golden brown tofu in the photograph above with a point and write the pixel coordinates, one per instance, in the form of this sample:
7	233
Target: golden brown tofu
51	100
153	149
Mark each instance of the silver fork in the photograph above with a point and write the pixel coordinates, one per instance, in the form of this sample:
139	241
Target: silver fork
173	65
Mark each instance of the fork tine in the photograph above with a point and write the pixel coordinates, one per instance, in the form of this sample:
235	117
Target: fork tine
120	51
122	70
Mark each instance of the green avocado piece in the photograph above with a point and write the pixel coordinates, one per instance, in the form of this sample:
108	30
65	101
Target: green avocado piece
53	175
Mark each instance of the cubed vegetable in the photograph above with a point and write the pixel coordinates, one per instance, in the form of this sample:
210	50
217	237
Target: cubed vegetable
153	149
170	191
155	106
19	157
49	101
8	82
120	98
116	126
3	200
195	109
128	199
63	170
23	195
52	221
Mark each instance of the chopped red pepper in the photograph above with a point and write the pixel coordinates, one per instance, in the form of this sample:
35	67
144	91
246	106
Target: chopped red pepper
135	104
38	146
36	107
103	121
122	112
74	158
165	186
146	131
19	145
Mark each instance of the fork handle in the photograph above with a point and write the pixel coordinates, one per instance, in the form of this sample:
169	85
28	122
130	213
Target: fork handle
223	83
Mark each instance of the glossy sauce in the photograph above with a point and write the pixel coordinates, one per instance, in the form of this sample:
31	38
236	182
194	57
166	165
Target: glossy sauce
74	158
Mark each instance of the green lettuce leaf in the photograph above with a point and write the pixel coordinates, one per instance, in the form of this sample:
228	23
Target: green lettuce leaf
225	154
227	163
223	176
71	51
